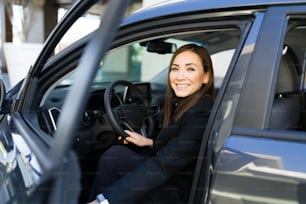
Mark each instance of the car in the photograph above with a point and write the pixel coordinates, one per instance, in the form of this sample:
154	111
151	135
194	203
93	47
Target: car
69	108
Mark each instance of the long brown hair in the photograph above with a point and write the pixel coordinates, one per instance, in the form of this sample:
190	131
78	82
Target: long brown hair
188	102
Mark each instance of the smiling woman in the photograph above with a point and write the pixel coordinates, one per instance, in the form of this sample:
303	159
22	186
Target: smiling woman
170	156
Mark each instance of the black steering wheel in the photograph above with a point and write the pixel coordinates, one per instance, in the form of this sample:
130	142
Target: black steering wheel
135	115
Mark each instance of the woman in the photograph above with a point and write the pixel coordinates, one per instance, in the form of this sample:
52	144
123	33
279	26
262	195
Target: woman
165	176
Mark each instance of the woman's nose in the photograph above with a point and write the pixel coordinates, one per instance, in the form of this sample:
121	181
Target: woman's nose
181	74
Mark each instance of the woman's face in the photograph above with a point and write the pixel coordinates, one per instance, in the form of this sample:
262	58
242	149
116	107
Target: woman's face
187	74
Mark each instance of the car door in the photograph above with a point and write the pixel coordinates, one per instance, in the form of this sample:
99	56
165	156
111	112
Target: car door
258	155
34	166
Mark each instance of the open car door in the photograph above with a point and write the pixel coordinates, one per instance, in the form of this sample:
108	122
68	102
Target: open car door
76	99
50	172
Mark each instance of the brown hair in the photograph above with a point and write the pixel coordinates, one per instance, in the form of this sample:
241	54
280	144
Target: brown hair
188	102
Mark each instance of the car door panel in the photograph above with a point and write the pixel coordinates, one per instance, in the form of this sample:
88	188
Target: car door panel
260	170
256	163
20	170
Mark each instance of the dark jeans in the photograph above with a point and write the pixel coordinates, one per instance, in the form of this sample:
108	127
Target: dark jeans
115	162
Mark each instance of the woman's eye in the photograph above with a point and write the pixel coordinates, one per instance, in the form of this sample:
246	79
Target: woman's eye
190	69
173	69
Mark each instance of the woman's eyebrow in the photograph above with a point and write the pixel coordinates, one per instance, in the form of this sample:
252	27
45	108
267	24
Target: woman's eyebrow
191	63
187	64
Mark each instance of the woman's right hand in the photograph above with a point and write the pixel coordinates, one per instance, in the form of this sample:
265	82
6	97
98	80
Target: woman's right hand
137	139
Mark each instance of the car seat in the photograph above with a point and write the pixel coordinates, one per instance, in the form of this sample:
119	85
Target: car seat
289	99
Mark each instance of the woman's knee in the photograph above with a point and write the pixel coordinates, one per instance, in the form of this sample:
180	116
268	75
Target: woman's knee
114	151
119	157
112	154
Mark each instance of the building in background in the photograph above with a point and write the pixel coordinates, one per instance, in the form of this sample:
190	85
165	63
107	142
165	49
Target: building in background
25	24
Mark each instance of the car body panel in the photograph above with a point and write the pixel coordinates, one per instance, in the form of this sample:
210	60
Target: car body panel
264	166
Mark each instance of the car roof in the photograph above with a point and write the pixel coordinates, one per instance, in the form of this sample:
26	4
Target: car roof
171	7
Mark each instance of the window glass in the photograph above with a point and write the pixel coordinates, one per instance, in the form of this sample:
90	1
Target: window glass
89	20
148	61
84	25
290	86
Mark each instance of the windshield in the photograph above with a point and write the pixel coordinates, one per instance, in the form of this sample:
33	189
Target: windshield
148	61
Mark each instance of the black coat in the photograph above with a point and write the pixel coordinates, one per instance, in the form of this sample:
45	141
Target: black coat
167	176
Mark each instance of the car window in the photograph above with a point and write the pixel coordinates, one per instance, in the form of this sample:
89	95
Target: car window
288	109
139	63
148	60
90	20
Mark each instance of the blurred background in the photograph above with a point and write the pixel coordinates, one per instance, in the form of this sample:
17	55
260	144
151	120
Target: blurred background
26	24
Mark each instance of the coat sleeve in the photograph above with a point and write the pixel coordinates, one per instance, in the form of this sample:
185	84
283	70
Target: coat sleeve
179	153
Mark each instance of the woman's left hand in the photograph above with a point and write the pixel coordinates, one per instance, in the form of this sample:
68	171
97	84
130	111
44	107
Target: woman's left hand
138	139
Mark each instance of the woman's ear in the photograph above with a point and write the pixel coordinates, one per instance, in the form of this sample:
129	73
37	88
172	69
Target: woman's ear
205	78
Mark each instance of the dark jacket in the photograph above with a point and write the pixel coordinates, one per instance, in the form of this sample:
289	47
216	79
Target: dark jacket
172	166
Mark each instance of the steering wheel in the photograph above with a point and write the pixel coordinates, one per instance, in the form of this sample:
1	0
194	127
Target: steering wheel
135	116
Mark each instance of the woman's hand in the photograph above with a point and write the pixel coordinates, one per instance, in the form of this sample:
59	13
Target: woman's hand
93	202
137	139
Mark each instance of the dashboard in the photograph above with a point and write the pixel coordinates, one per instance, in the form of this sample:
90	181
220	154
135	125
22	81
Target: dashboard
95	132
95	109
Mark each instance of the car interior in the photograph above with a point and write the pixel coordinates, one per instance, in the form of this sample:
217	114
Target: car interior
289	100
288	109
